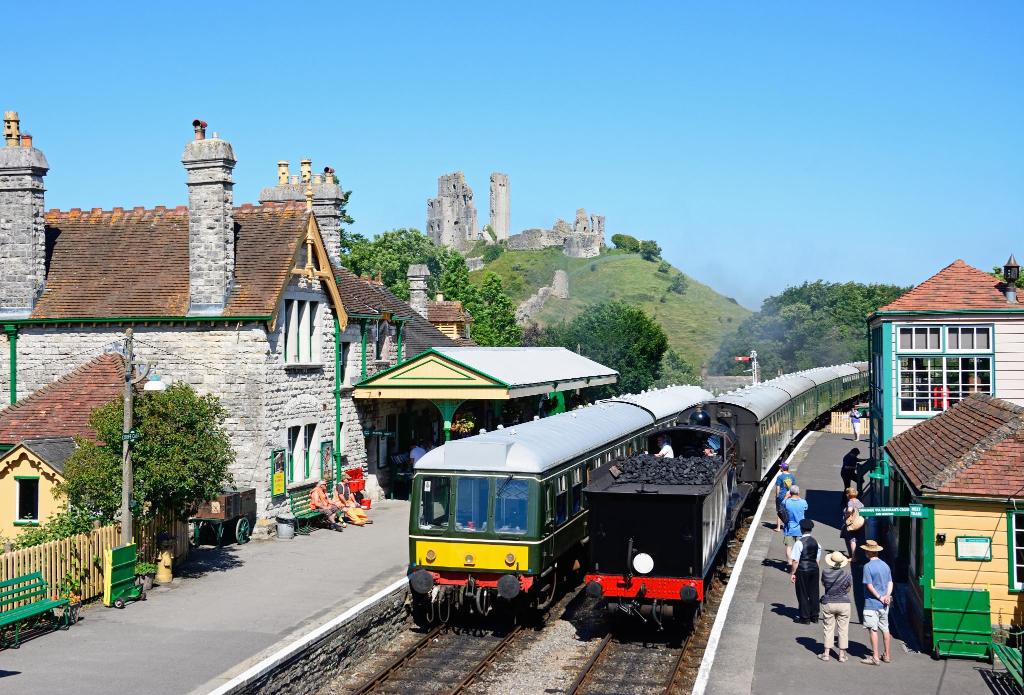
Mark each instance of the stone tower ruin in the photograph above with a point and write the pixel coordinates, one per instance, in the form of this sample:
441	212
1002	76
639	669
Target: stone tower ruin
499	206
451	216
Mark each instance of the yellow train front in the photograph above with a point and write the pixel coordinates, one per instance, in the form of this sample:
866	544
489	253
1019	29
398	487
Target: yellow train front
499	520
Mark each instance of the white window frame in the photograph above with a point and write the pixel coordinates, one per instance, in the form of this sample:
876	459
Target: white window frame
1016	573
971	350
949	397
297	456
302	335
17	500
913	327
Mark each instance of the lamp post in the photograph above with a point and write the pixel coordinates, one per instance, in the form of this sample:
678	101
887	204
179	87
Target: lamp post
1011	273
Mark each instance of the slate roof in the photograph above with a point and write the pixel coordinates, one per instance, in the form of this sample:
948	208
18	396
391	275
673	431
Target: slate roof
53	450
62	408
447	311
112	263
370	298
957	286
974	448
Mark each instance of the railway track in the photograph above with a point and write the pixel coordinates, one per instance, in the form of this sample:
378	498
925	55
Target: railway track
623	666
443	655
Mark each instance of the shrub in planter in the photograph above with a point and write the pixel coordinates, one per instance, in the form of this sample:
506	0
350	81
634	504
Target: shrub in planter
144	574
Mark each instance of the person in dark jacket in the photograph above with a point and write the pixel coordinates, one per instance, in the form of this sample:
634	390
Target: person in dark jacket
835	604
803	570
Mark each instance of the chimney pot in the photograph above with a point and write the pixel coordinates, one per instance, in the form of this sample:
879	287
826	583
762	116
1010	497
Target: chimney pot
282	173
200	128
11	126
439	297
295	180
306	167
26	140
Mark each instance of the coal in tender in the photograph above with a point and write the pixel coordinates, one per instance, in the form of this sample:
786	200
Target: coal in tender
651	470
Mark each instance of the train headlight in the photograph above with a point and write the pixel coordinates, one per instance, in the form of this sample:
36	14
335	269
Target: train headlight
643	563
431	555
510	559
470	560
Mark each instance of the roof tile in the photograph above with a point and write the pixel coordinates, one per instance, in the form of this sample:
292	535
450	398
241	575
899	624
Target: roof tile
957	286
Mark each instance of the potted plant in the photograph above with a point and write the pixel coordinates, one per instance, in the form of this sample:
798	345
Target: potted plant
71	589
144	573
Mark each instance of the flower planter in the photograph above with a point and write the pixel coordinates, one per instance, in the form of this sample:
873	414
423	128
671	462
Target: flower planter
145	581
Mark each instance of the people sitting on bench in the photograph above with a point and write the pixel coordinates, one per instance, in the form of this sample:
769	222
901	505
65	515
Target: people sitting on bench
319	501
345	500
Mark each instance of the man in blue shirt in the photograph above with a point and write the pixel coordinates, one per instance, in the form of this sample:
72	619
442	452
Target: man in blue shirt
795	508
783	481
877	599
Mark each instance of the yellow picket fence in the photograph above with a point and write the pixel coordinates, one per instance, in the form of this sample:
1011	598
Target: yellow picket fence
82	555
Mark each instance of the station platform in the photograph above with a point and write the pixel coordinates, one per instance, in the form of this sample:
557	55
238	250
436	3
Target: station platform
225	611
763	651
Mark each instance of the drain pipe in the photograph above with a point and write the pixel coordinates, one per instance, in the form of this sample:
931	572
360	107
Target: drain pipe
12	344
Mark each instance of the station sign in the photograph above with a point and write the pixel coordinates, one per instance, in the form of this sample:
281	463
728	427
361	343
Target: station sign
913	511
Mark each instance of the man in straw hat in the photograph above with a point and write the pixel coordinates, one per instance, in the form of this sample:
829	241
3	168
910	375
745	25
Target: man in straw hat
835	604
804	573
877	599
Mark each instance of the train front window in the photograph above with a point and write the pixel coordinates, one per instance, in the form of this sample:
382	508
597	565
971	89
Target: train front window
434	495
510	506
471	504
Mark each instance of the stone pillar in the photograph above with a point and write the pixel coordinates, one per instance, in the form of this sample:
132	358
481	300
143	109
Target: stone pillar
582	225
211	225
417	276
597	224
22	221
500	205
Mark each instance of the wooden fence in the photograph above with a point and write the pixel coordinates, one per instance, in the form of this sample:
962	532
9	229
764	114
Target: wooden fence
82	555
840	424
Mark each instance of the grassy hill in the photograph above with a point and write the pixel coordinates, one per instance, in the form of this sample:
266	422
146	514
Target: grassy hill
695	320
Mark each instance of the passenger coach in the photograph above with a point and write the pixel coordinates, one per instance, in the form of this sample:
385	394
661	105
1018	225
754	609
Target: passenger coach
501	515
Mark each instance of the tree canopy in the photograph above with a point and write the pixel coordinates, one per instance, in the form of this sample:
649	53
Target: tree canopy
619	336
390	254
180	461
812	325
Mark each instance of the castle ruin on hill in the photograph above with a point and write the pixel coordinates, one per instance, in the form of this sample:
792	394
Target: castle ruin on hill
452	221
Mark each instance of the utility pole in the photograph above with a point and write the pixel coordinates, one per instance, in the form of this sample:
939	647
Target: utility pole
127	481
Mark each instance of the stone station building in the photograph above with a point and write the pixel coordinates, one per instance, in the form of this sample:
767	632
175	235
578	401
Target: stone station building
248	303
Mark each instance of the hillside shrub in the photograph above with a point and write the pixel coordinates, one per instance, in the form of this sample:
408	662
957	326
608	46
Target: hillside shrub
649	250
493	252
679	284
626	242
664	267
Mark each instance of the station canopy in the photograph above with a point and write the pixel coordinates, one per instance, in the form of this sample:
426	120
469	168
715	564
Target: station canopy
486	373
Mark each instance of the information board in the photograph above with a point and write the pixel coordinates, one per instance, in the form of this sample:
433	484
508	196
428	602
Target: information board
974	548
914	511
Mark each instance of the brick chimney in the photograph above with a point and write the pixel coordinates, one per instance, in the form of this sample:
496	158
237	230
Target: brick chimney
328	199
22	224
417	276
211	226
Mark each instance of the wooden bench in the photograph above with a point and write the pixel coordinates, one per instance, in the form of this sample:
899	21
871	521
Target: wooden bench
304	513
32	588
1010	656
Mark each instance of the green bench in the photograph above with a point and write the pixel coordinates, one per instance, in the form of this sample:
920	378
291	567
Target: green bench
1010	656
32	588
304	513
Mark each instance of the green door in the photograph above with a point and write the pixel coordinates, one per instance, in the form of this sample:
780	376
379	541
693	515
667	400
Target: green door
961	622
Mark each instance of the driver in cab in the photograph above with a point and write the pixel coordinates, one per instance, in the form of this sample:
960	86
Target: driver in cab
665	448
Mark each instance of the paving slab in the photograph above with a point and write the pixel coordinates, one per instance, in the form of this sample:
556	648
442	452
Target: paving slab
762	651
226	610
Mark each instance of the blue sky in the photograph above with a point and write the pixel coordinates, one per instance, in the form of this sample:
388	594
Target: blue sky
762	144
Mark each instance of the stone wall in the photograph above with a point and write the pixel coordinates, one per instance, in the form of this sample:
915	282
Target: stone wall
336	652
579	240
558	288
500	205
451	216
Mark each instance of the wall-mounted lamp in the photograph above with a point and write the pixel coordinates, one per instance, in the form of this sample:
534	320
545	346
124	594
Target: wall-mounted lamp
940	539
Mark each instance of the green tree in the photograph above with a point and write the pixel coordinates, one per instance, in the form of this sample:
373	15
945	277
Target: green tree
180	461
619	336
626	242
496	324
649	250
454	282
676	371
390	254
679	284
811	325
